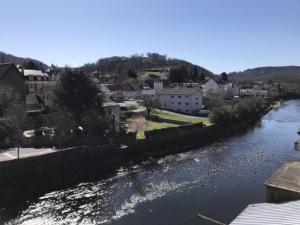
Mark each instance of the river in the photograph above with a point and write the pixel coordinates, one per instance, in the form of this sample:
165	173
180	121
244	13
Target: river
218	181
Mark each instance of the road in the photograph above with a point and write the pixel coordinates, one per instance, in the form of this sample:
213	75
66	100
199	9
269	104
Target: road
11	153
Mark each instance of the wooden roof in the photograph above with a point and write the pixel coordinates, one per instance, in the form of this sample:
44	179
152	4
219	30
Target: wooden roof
286	177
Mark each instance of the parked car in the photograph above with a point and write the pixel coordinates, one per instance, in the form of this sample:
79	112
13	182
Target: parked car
203	112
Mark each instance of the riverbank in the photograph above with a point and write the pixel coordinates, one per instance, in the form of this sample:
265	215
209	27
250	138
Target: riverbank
201	181
27	178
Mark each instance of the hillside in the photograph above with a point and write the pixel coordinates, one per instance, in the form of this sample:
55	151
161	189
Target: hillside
285	74
138	63
7	58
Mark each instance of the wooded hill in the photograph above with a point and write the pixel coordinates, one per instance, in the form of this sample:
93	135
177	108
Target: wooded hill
284	74
138	63
7	58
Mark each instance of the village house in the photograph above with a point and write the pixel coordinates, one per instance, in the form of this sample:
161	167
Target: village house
210	86
131	91
148	92
12	80
254	91
39	89
220	87
185	100
223	86
158	84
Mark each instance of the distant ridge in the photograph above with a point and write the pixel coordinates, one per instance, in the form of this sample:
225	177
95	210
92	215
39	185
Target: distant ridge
8	58
283	74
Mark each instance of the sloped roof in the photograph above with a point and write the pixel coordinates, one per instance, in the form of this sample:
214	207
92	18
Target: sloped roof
177	91
270	213
286	177
34	73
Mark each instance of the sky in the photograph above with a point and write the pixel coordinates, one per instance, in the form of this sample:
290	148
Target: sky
220	35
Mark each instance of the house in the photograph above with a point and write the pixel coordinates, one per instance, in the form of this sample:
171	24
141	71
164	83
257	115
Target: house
131	91
149	92
185	100
114	92
210	86
255	91
223	86
12	79
39	88
158	84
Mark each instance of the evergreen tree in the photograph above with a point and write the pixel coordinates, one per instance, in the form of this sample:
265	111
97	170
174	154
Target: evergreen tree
78	94
195	73
224	76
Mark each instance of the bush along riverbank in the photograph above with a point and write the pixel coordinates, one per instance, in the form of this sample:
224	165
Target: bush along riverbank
28	178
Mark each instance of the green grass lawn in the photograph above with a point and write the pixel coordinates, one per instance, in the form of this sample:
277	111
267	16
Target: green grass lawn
182	118
152	125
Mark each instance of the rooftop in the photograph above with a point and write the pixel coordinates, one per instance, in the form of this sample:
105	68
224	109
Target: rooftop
33	73
269	213
286	177
177	91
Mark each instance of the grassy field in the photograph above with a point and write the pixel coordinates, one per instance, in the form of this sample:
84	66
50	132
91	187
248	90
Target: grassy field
152	125
181	118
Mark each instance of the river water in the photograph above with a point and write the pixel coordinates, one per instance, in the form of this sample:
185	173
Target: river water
218	181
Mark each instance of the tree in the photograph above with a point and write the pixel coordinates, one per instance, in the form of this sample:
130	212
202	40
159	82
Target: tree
178	75
202	76
150	103
195	73
30	65
12	118
132	74
224	76
78	94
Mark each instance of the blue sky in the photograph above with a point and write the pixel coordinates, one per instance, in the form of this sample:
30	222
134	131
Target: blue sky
220	35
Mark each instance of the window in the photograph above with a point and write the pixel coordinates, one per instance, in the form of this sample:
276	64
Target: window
172	96
172	103
186	103
186	110
196	103
179	96
179	103
196	98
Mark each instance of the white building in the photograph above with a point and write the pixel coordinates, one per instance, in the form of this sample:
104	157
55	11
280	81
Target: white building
149	92
223	87
250	91
185	100
210	86
158	85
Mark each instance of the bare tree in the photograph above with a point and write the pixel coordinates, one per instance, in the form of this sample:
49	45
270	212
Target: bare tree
150	103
